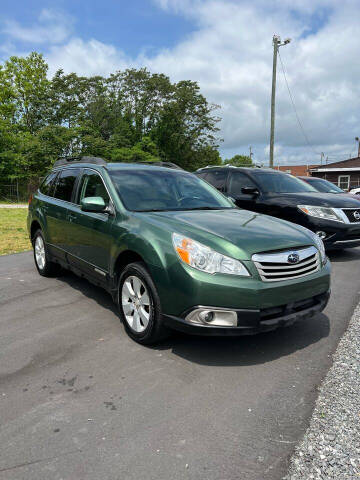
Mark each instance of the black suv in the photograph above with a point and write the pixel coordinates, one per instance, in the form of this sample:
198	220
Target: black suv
335	218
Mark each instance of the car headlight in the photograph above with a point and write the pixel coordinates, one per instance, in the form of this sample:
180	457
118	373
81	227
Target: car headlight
320	247
325	213
204	258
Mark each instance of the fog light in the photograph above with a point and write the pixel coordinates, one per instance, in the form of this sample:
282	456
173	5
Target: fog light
206	316
321	234
216	317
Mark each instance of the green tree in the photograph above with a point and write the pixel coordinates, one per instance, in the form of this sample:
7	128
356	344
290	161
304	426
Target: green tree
240	161
67	98
132	115
143	151
27	86
10	151
186	126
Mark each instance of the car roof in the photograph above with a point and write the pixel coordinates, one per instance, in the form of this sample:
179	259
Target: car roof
118	166
251	170
223	167
142	166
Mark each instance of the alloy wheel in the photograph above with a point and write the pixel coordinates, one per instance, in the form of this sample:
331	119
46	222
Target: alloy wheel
40	252
136	303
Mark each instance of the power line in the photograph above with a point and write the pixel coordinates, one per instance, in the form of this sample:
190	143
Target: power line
294	107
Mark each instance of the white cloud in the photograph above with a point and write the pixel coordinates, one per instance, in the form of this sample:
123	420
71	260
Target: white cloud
52	27
87	58
230	54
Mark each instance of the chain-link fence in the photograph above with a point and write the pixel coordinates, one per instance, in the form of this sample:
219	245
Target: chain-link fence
18	191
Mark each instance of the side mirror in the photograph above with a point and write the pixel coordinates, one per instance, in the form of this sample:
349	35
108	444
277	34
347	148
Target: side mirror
93	204
250	191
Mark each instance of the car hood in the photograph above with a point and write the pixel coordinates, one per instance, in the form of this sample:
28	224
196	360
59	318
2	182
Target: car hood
336	200
223	230
353	196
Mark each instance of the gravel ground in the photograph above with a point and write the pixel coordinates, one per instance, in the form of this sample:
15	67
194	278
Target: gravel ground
331	446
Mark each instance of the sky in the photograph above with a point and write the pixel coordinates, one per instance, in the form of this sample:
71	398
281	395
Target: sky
224	45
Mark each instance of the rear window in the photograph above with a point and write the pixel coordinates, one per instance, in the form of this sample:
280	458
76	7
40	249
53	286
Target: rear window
47	186
65	184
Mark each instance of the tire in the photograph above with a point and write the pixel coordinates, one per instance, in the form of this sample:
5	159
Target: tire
44	265
139	305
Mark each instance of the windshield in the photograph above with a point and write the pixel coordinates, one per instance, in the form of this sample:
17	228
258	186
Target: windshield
159	190
324	186
272	182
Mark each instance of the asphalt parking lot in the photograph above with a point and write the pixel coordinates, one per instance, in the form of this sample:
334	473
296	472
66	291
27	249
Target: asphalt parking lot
80	400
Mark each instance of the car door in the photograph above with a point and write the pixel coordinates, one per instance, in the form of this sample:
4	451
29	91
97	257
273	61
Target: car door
90	239
56	211
238	180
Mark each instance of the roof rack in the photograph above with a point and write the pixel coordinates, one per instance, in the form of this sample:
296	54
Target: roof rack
162	164
67	160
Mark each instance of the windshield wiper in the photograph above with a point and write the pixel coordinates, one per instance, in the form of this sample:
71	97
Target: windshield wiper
180	209
207	208
155	210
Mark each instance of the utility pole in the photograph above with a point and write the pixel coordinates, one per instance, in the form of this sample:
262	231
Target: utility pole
357	139
251	153
276	43
322	157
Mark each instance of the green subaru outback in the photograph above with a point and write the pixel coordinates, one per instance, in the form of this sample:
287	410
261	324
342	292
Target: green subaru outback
173	251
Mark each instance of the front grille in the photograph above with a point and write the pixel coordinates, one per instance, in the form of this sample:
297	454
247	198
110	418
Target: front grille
353	214
275	266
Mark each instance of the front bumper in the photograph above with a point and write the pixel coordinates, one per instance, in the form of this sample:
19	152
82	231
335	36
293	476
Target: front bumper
336	232
251	322
182	287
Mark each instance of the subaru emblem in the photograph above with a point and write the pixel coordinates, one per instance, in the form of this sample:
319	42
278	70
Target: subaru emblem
293	258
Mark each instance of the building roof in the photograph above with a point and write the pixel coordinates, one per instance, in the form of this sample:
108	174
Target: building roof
352	164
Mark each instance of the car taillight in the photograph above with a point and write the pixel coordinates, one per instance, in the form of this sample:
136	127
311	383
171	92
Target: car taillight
30	199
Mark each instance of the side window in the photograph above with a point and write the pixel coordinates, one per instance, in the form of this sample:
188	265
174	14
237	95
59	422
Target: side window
202	175
65	184
217	178
238	180
92	186
47	186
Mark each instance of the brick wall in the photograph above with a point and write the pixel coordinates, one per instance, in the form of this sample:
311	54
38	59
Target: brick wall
297	170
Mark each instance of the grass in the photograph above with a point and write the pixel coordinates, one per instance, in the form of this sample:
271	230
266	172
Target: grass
13	231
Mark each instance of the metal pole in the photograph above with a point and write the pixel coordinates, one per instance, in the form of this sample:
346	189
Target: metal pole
273	88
